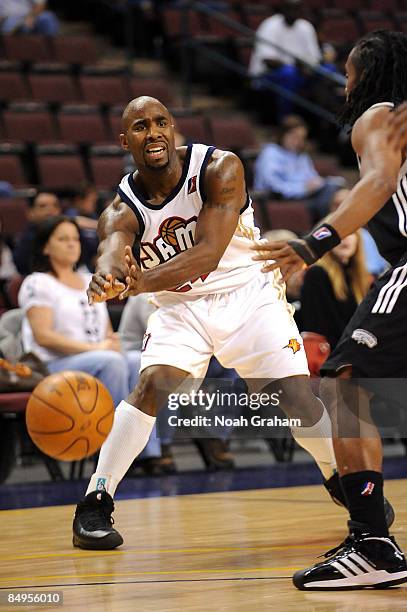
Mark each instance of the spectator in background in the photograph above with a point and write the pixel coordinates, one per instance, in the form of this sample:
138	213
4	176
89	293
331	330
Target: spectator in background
27	17
59	325
156	458
158	453
333	288
43	206
84	211
7	267
375	263
294	283
283	40
285	169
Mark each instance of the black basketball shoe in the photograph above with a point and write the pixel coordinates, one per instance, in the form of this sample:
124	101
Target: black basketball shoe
334	488
361	561
92	525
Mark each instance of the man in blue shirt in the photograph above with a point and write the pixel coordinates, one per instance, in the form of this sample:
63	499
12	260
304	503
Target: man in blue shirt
286	170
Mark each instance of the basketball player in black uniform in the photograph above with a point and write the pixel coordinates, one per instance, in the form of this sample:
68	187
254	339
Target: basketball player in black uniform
373	345
398	127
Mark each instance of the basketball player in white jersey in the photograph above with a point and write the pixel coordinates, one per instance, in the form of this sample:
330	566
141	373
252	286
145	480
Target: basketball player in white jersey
373	345
189	210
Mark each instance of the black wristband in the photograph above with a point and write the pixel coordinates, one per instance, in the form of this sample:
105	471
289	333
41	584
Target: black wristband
316	244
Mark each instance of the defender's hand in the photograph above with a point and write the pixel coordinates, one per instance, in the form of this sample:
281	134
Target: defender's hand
278	254
103	287
134	278
398	127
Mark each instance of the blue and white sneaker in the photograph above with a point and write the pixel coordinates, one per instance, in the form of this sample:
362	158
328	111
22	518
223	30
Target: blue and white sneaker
361	561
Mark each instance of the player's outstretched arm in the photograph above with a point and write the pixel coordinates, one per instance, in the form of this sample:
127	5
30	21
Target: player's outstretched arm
379	171
217	221
117	227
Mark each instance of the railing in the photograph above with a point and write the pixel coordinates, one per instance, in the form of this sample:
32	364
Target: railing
188	43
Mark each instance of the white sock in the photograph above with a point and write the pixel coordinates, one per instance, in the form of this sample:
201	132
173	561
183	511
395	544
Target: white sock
127	438
317	440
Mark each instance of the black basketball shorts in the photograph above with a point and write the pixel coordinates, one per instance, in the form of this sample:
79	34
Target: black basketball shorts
374	342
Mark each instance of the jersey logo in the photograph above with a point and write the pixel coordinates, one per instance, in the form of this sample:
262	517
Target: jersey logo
361	336
175	235
294	345
192	184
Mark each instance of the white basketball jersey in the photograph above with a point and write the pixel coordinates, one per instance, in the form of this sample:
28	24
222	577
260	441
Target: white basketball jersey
168	229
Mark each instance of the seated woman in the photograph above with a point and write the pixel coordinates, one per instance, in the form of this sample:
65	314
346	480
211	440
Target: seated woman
333	288
59	326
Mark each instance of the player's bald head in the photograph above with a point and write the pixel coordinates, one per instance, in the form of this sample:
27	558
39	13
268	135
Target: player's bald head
141	105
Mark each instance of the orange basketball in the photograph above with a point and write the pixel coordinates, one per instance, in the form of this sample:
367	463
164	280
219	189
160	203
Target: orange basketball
168	227
69	415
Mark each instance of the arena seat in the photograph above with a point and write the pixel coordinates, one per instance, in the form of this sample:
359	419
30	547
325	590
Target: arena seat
13	212
218	28
194	128
401	21
326	166
384	5
104	90
13	402
157	88
13	86
27	48
114	120
11	167
60	167
53	87
235	132
82	124
172	23
255	15
30	122
374	20
292	215
340	30
317	349
76	49
348	5
107	167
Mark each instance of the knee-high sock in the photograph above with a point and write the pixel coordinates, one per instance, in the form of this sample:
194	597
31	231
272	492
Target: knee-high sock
127	438
317	440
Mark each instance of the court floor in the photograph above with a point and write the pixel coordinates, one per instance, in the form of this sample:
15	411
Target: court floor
226	551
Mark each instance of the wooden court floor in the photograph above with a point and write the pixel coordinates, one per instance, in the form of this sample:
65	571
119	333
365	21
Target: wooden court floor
219	551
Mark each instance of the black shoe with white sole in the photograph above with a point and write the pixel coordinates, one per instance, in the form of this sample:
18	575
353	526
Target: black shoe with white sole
334	488
92	525
361	561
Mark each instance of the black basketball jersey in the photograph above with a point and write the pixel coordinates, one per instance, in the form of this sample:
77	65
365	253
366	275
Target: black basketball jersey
389	226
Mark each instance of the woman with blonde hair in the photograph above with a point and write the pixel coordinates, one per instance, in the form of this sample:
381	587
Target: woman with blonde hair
333	288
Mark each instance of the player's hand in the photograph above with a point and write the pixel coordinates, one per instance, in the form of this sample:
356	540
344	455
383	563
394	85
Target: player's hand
110	343
398	127
103	287
134	277
278	254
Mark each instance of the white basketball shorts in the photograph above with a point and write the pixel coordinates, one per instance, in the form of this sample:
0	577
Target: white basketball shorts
249	329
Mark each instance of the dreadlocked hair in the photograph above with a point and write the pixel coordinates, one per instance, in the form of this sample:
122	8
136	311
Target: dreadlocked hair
380	60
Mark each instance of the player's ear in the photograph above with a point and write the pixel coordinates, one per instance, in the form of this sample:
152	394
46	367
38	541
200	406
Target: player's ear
123	142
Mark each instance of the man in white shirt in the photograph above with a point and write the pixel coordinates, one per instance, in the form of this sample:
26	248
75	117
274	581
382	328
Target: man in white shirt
282	39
